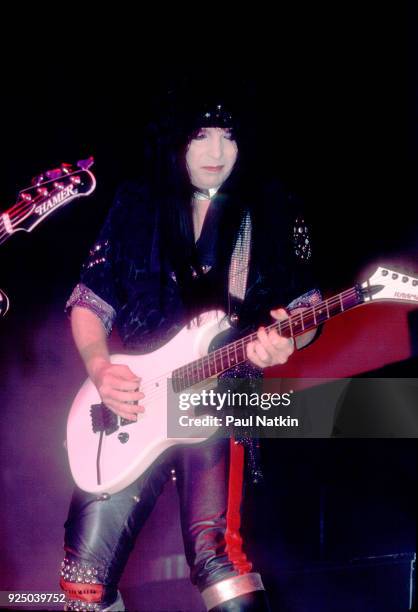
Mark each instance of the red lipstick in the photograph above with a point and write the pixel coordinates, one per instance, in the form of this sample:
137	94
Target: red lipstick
212	168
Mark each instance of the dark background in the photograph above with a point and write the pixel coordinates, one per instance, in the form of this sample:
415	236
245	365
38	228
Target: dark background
335	96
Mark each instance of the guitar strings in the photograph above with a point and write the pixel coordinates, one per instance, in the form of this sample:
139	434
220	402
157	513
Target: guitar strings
151	390
29	207
281	326
24	211
224	351
153	393
4	234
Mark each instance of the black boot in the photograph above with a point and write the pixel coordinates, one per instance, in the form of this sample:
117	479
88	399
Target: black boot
255	601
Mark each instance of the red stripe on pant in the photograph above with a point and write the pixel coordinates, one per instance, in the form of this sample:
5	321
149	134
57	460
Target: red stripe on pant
233	515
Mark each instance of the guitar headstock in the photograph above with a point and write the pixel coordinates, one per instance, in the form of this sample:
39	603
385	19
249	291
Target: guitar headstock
48	191
4	303
386	284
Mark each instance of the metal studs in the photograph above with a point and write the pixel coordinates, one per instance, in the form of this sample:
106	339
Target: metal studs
78	605
301	240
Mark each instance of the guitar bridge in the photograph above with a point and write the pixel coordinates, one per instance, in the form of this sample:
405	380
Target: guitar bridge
103	419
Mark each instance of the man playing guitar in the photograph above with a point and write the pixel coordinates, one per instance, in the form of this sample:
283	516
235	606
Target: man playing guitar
165	254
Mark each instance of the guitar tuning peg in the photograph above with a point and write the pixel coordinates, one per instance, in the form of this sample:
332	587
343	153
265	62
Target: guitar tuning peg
58	185
43	191
37	180
66	168
27	197
54	174
85	164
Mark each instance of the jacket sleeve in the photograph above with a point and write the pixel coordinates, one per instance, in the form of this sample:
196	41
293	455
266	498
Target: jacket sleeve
101	286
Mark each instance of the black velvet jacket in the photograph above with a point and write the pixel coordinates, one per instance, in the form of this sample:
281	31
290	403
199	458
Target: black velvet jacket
137	289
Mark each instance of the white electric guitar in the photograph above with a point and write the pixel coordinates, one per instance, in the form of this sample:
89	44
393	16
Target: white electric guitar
107	452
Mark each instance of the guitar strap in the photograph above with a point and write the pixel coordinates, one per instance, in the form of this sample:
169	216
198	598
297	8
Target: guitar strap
239	266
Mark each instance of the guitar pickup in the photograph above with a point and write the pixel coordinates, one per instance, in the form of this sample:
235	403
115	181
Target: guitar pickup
103	419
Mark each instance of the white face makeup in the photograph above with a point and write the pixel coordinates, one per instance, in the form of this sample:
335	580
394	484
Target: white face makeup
210	157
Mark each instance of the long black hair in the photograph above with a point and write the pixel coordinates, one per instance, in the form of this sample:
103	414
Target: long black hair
186	111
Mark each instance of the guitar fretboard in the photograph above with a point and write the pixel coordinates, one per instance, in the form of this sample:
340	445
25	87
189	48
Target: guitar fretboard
232	354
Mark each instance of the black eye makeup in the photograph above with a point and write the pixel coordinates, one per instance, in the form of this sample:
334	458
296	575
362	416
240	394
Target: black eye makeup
202	133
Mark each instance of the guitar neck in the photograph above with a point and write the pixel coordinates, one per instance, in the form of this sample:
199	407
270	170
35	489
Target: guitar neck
234	353
6	229
47	193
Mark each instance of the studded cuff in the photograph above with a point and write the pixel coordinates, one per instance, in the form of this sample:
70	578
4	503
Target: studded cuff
84	297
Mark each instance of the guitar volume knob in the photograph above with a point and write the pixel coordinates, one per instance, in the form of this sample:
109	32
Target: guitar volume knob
37	180
123	437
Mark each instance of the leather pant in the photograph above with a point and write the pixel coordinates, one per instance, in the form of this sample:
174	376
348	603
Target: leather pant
100	531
